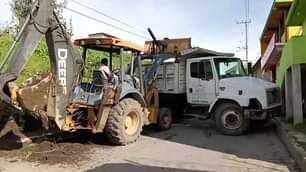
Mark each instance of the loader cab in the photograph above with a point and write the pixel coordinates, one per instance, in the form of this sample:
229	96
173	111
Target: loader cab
102	45
94	48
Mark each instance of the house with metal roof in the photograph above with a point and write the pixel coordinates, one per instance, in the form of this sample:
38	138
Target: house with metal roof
274	37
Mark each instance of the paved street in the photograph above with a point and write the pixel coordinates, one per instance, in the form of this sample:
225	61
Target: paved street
190	146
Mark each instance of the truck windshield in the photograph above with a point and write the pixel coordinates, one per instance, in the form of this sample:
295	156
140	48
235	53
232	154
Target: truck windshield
229	67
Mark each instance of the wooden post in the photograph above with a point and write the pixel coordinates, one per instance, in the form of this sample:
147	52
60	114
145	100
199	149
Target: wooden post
288	95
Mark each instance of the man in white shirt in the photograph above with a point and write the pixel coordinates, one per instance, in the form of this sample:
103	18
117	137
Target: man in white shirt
105	69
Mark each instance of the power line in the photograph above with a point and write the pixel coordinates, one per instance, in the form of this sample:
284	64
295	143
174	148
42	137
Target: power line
105	23
108	16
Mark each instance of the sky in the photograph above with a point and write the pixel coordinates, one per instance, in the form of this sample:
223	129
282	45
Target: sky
211	24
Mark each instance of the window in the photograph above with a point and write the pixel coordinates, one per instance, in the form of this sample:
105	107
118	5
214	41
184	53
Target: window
194	70
229	67
208	71
202	70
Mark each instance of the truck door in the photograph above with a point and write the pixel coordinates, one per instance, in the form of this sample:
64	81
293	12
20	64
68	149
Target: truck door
200	84
207	91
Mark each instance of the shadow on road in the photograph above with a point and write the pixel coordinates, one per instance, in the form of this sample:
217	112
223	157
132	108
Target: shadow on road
260	143
135	168
10	142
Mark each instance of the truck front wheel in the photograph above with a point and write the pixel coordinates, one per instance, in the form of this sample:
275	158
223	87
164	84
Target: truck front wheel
230	120
125	122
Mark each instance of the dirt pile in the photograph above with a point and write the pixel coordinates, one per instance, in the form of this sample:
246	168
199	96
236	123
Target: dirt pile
71	150
48	152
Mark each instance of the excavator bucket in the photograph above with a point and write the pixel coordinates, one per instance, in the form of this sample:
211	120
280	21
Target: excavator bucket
33	95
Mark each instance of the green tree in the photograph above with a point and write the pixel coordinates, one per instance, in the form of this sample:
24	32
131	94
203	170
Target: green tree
39	62
22	8
5	42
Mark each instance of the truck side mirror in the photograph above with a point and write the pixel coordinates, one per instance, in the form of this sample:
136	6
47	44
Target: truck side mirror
250	71
209	76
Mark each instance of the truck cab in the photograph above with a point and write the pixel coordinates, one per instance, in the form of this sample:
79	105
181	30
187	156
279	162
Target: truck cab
211	79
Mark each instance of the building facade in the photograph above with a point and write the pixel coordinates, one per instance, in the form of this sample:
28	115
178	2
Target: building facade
292	70
274	37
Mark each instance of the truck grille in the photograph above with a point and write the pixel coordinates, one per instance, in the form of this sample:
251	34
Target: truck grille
273	96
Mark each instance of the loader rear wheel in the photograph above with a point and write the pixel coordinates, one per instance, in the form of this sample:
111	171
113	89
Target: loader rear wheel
125	122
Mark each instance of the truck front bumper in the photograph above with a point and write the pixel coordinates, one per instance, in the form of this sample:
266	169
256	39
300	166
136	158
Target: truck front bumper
262	114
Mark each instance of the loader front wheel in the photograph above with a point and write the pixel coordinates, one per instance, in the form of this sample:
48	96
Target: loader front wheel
125	122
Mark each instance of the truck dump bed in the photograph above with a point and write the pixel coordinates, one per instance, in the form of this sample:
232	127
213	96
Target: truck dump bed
171	76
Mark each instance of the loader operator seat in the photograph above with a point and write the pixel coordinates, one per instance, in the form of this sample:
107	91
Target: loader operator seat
99	79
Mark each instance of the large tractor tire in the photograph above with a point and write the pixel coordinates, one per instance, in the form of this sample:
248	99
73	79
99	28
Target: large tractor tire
230	120
125	122
164	118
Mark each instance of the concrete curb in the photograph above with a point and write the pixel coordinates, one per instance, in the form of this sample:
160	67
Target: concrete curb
286	135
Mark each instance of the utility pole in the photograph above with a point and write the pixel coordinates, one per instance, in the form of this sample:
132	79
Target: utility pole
246	23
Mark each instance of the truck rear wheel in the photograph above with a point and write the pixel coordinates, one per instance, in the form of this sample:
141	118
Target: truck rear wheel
124	123
164	118
230	120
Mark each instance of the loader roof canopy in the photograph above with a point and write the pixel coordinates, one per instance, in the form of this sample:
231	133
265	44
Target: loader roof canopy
108	43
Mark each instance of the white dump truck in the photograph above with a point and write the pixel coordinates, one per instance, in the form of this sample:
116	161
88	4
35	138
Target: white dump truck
211	85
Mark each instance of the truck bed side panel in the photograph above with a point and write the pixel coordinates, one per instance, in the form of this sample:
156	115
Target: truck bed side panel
171	78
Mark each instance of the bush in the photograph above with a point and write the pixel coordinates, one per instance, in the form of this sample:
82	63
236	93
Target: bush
39	62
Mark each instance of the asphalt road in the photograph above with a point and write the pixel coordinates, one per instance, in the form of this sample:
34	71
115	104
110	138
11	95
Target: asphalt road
190	146
195	145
